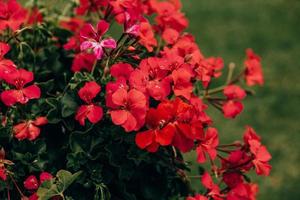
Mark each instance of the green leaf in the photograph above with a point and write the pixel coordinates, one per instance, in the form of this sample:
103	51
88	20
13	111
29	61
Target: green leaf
65	179
58	185
69	106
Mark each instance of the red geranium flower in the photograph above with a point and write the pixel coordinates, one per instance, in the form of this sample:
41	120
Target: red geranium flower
19	78
92	112
129	109
90	6
12	15
261	158
253	72
151	79
45	176
209	68
93	39
161	130
34	16
243	191
147	37
74	25
208	145
234	92
232	108
83	61
260	152
3	175
121	70
29	129
31	183
6	66
213	189
171	123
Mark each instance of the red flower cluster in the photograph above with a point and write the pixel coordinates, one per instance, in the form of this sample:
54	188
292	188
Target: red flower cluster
12	15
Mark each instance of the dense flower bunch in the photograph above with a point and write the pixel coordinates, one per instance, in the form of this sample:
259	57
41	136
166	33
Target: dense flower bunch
109	95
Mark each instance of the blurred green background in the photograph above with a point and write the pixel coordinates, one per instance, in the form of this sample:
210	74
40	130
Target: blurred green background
272	28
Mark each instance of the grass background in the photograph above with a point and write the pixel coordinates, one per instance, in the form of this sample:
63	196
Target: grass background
272	28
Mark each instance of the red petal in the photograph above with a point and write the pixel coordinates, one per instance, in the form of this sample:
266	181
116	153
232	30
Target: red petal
102	27
89	91
95	114
81	114
119	97
10	97
165	136
33	132
144	139
130	124
40	121
207	180
31	183
32	92
136	99
119	116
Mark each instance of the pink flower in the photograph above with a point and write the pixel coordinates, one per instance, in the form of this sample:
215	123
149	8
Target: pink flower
93	39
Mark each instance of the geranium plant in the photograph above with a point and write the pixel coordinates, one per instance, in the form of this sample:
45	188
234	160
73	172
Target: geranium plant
101	99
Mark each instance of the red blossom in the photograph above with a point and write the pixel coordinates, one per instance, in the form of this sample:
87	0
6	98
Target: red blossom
171	123
74	25
3	175
12	15
213	189
147	38
129	110
34	16
121	70
29	129
232	108
6	66
151	79
87	6
208	145
83	61
261	158
20	78
253	72
45	176
243	192
91	111
209	68
31	183
261	155
234	92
